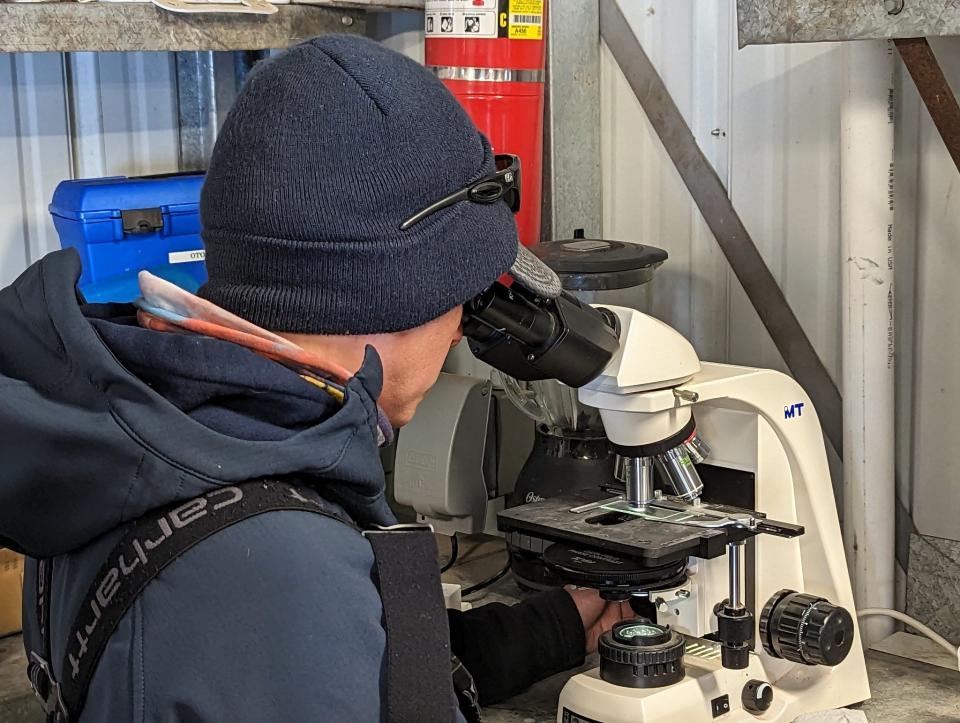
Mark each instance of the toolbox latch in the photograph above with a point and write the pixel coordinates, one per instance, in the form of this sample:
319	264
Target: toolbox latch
141	220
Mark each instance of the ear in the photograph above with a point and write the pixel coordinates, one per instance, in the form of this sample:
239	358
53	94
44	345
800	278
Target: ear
371	372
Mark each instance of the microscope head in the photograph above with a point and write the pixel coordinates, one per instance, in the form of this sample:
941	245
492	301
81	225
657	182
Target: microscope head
652	356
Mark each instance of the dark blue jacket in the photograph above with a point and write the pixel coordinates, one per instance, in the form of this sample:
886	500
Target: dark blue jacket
274	619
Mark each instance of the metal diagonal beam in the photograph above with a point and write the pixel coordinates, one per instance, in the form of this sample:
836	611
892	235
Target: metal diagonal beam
936	92
711	198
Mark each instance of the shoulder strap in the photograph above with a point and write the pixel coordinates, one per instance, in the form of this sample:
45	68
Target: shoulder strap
159	538
415	617
38	668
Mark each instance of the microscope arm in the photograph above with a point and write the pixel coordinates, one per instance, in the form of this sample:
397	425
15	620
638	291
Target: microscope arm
787	409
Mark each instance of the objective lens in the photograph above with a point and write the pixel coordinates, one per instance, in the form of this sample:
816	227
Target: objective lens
680	471
619	468
637	475
697	448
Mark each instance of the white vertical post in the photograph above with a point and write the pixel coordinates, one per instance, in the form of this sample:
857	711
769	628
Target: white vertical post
866	221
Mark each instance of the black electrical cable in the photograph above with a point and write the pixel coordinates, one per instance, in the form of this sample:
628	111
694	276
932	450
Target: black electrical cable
488	582
454	553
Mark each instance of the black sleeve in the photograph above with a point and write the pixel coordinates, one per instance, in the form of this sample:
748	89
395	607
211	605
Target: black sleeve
508	647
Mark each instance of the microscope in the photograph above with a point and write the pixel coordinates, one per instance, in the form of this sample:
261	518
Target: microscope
742	614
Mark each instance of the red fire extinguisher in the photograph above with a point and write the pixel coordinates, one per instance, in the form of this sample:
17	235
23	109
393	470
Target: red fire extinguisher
490	54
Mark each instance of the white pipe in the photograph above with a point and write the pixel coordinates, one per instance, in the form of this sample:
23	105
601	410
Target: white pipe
866	223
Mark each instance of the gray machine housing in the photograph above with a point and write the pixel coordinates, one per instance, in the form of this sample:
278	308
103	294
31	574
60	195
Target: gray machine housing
460	457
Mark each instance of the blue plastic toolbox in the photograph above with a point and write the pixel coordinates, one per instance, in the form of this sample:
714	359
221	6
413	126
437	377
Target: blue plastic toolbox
124	225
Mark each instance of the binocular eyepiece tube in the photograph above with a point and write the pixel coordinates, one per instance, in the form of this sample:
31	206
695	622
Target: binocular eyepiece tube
529	338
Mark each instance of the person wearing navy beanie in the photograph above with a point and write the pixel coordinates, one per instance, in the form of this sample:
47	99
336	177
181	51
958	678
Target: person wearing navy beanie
196	479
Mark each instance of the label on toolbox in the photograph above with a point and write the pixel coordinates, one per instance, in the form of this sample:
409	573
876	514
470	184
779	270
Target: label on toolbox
514	19
185	257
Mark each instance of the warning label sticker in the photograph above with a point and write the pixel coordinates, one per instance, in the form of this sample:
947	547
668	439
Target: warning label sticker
526	19
461	18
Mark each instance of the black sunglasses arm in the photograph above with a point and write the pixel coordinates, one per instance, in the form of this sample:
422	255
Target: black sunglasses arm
461	195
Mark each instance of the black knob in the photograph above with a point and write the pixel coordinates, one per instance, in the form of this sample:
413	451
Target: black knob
641	654
806	629
735	633
757	696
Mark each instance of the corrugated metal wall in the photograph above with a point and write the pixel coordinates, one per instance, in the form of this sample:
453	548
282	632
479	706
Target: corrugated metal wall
76	115
644	199
768	119
929	326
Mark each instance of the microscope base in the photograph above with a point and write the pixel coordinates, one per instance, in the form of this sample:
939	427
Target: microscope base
706	687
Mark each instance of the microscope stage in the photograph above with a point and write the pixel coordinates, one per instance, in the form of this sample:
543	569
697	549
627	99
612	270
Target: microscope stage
657	543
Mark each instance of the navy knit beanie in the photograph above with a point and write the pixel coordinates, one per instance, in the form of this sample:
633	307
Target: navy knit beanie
327	150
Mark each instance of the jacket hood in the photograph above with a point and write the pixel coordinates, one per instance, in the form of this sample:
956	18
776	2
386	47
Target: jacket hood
102	421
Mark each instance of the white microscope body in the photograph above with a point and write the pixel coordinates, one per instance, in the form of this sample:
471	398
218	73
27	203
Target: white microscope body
757	421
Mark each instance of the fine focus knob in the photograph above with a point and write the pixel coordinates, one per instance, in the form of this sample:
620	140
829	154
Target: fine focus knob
641	654
757	696
806	629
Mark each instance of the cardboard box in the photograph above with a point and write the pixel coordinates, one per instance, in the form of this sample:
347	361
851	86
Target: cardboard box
11	591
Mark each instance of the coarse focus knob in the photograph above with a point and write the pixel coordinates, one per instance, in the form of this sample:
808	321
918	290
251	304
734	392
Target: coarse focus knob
757	696
806	629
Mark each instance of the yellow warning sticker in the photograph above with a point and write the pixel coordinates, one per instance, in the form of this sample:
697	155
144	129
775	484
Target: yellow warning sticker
526	19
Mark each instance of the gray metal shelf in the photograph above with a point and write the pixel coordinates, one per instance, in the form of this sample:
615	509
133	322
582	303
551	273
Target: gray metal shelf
97	26
803	21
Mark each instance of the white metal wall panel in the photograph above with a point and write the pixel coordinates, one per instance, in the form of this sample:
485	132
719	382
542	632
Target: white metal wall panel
35	150
780	159
129	105
13	246
936	342
71	116
768	119
785	185
644	199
